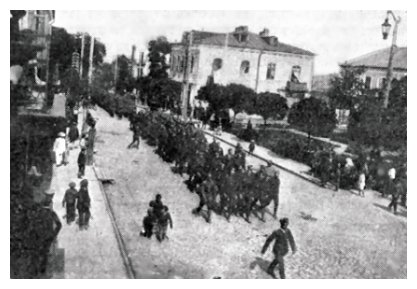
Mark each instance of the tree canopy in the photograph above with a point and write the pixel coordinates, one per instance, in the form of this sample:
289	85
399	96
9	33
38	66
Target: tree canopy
271	105
158	49
346	87
313	116
372	125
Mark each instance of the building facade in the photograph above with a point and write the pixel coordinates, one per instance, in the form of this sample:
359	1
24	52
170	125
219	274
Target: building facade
40	22
375	64
258	61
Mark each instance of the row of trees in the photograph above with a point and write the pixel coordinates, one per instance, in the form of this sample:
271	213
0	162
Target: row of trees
371	124
240	98
311	115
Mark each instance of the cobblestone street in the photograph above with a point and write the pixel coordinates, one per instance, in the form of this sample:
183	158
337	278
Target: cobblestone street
338	234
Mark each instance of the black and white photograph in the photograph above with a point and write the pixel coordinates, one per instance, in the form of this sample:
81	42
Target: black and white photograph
208	144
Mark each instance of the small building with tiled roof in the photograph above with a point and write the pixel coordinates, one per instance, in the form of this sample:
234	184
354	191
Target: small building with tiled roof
375	64
259	61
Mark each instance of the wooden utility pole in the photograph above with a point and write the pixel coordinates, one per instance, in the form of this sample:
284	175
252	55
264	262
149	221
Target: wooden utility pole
115	71
82	55
90	65
391	56
186	81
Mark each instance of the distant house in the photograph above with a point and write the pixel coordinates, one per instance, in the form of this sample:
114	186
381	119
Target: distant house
376	65
258	61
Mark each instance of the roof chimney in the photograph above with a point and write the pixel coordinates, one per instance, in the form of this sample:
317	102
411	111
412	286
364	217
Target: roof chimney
133	53
241	29
264	33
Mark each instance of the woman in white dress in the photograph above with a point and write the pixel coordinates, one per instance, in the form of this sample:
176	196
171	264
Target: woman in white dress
60	148
361	183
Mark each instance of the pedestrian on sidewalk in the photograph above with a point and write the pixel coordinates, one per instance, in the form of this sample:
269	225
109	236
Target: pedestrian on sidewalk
83	205
157	206
82	160
395	195
69	201
90	143
45	230
73	134
163	222
135	141
252	146
59	148
148	224
361	183
282	237
84	141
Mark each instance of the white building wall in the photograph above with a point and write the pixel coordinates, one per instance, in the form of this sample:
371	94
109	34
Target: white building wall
231	67
377	75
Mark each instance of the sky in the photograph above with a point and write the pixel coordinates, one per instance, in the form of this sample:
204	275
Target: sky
334	36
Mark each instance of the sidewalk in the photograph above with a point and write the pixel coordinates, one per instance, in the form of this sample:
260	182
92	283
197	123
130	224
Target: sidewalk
91	253
340	147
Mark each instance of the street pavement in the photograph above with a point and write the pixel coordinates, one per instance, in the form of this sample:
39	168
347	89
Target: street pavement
91	253
339	235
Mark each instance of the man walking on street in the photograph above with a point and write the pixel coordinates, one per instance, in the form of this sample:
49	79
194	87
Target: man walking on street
135	141
163	221
69	201
83	205
82	160
395	194
282	237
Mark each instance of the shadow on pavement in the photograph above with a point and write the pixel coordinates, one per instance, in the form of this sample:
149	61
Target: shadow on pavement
400	212
263	264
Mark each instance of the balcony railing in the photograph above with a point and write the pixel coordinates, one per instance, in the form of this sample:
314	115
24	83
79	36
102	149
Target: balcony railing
295	87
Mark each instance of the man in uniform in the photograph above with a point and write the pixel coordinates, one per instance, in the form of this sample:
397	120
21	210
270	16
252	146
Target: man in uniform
274	193
228	161
205	192
282	237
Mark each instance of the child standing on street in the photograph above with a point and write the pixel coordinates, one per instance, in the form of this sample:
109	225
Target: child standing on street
69	200
163	222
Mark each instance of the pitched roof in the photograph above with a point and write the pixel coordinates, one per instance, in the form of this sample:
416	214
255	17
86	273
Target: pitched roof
254	41
379	59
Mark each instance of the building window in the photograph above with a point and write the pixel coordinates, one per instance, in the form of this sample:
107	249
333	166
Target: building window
295	74
244	67
368	80
382	82
217	64
37	20
173	64
182	64
192	64
178	64
270	72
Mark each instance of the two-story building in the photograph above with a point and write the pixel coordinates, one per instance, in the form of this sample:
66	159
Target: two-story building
375	64
259	61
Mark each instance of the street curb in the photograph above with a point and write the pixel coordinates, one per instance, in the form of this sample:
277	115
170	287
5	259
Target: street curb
264	159
130	272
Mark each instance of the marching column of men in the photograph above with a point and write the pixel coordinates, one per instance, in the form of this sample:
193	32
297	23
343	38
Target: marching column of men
222	181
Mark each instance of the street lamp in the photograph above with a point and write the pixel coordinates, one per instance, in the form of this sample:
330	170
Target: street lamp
386	27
